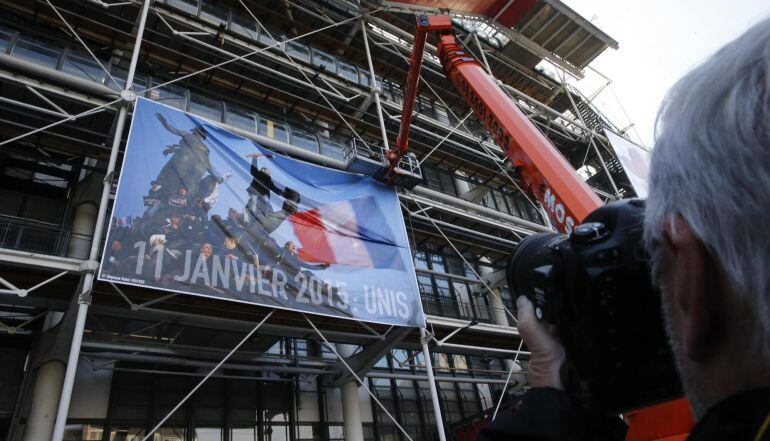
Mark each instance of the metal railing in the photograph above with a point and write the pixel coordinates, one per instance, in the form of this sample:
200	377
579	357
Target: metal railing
451	308
42	238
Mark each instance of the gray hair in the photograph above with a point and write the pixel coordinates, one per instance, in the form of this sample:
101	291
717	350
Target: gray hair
711	166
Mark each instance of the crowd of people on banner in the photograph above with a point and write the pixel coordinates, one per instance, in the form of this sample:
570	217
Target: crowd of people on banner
177	218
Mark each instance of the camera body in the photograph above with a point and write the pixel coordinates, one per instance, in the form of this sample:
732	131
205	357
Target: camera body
595	287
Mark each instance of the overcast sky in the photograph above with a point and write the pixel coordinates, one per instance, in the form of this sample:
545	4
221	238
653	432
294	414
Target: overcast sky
660	40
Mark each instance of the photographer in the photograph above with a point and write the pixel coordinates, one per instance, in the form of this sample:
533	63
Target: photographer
710	256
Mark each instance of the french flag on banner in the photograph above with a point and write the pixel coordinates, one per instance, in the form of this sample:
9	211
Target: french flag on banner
353	232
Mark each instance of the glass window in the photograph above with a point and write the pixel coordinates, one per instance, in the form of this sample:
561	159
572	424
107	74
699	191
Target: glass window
332	149
244	434
83	66
447	183
208	434
140	81
213	14
37	52
455	265
442	286
387	90
206	107
420	260
327	61
363	78
426	286
304	139
244	27
425	106
347	71
170	95
6	37
488	200
82	432
188	6
437	263
527	210
298	51
273	129
499	200
511	205
398	93
442	115
240	118
265	37
126	433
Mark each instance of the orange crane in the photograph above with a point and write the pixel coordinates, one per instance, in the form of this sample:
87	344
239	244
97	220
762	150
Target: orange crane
543	170
545	173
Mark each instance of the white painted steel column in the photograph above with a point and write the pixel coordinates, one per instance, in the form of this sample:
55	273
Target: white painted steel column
82	228
88	279
498	309
351	412
433	390
45	401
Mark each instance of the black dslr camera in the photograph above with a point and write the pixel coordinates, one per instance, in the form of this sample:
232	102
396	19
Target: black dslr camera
595	286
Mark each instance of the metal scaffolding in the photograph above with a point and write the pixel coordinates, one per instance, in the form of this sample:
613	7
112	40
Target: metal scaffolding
190	47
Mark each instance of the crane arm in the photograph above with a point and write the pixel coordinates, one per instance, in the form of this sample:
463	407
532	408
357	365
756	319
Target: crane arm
545	173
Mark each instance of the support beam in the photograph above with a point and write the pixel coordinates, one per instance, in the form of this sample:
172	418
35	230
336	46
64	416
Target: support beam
433	388
84	297
45	401
351	412
366	359
475	195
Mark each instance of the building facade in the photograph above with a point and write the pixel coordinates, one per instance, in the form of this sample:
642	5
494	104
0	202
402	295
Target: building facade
311	79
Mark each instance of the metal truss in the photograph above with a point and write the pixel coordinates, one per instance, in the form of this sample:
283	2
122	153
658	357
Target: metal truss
13	289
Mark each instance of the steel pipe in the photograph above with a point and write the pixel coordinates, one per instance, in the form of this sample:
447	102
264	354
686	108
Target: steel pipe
172	361
56	76
433	194
441	379
84	298
432	385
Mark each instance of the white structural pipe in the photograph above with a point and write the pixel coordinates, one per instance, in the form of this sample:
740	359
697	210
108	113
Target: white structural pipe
88	279
453	200
351	411
55	76
432	383
375	90
45	392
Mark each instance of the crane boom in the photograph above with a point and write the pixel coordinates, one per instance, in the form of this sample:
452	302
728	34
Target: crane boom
545	173
543	170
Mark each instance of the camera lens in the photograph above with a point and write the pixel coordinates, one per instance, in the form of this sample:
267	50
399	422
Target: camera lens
532	252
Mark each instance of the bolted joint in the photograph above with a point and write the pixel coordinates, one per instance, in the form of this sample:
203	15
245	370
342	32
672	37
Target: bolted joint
88	266
128	95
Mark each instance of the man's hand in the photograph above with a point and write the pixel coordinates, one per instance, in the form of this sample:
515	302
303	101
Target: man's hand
547	352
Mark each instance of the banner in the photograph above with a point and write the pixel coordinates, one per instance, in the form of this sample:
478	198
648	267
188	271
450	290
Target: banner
635	161
202	211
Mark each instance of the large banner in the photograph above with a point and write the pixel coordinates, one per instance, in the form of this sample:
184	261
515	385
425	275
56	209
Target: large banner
635	161
205	212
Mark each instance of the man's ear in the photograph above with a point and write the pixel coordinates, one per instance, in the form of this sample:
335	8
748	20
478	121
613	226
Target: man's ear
695	289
